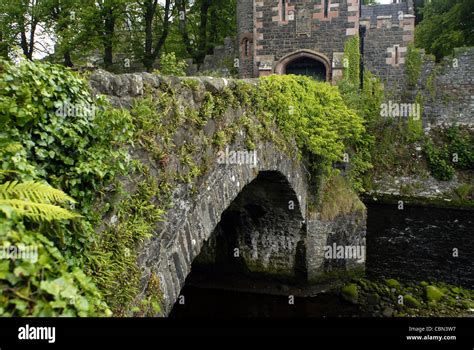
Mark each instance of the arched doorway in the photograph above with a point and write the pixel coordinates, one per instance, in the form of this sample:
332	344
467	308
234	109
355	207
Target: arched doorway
307	66
305	62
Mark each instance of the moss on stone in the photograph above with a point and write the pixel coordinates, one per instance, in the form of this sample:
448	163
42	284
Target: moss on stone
270	271
433	294
399	314
338	276
456	290
364	284
414	298
350	292
468	304
410	301
392	283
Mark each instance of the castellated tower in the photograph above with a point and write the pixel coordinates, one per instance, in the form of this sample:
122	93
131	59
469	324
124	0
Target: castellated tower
307	36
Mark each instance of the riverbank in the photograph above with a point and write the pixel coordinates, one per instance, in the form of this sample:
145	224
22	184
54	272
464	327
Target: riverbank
433	167
421	191
392	298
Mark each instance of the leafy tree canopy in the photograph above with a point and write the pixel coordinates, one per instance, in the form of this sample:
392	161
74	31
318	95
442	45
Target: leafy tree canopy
446	24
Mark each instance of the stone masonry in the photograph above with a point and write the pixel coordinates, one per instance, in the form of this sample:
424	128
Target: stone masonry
273	33
389	30
448	89
276	233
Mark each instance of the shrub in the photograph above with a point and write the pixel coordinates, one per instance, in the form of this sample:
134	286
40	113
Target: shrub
312	112
366	102
461	144
53	132
440	168
171	65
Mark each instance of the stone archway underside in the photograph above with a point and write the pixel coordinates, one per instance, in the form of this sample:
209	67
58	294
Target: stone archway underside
262	232
194	218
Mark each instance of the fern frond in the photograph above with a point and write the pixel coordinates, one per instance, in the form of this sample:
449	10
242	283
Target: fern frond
32	191
38	211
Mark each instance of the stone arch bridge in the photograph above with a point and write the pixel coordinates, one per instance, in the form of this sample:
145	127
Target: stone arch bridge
260	208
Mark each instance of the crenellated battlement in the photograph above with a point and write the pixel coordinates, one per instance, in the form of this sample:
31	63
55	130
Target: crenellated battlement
394	17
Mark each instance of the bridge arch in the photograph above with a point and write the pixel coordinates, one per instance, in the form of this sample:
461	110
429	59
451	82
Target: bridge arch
199	206
305	62
275	187
261	232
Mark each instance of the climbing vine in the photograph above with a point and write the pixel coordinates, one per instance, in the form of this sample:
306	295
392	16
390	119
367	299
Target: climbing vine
351	61
415	123
366	102
413	65
431	82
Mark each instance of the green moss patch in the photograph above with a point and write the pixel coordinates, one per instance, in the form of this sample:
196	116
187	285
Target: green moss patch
432	293
350	292
392	283
409	299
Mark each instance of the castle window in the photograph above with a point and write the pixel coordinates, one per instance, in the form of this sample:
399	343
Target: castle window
396	55
283	10
326	8
246	47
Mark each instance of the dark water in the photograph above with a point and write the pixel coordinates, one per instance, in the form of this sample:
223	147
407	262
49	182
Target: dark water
420	243
215	303
412	244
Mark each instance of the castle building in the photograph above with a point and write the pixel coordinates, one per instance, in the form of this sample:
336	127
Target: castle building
307	37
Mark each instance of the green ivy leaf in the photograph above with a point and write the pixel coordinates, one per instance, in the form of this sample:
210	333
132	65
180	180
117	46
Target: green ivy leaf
58	304
25	269
52	287
4	269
